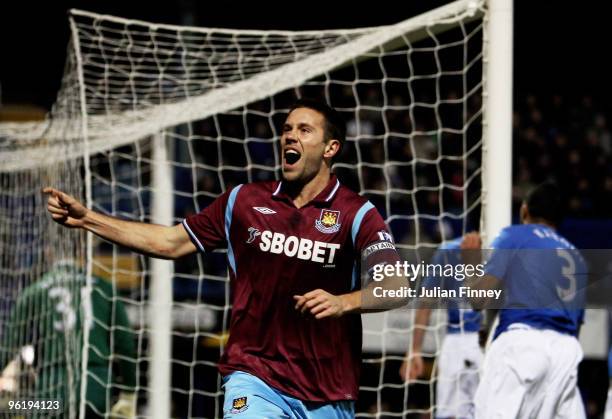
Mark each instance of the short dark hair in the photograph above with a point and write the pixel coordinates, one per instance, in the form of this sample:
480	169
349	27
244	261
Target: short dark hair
544	201
335	127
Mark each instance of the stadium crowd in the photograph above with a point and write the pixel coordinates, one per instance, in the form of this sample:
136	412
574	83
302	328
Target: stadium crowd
569	141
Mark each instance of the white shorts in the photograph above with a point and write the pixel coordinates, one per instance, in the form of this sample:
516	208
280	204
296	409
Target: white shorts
530	373
458	369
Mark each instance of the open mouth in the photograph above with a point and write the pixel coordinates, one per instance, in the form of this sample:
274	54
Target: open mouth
291	156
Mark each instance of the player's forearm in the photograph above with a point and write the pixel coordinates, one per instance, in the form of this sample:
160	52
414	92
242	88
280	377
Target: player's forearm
148	239
421	320
351	302
486	282
375	296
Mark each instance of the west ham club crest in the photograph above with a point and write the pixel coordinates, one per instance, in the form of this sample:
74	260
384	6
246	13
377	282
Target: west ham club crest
328	222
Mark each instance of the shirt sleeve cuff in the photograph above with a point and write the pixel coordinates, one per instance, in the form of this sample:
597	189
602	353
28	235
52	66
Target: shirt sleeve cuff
192	236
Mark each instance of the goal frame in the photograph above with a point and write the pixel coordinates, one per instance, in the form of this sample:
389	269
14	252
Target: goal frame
496	190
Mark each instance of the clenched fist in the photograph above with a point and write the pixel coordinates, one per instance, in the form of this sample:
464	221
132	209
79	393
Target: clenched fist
412	368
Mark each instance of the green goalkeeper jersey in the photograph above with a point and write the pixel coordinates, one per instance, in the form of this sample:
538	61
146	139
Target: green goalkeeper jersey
49	316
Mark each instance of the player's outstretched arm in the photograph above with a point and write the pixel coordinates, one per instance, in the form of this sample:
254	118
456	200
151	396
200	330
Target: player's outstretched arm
412	366
471	254
149	239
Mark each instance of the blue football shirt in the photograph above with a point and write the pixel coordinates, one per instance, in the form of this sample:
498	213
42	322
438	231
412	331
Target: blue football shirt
544	279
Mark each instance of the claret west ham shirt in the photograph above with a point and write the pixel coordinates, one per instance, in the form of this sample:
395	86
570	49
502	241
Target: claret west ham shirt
276	251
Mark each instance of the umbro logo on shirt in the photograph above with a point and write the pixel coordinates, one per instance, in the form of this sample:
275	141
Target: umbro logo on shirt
264	210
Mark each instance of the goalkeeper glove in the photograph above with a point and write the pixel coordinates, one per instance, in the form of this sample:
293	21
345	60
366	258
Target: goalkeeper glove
10	376
125	407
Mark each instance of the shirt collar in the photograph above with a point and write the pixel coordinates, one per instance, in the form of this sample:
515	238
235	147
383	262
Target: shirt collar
324	198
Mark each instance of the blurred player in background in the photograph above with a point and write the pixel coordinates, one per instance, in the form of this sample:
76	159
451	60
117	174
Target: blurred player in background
531	367
460	355
293	247
47	317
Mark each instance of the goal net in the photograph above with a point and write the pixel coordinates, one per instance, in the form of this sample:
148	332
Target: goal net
154	121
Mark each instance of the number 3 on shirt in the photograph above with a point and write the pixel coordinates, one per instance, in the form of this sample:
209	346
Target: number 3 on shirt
569	272
63	296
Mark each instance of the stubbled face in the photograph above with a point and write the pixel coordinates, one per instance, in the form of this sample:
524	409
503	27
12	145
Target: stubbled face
303	145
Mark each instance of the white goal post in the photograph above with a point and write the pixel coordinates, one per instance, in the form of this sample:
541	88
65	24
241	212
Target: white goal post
498	126
153	121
